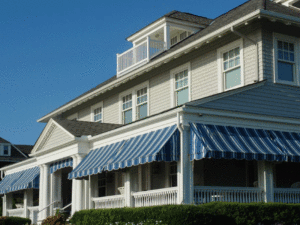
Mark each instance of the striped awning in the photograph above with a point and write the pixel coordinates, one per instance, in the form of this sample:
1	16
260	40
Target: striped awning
61	164
24	179
159	145
212	141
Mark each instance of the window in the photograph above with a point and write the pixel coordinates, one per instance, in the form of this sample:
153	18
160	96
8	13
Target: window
174	40
141	102
127	109
97	112
5	149
180	78
286	69
230	60
134	103
102	185
173	174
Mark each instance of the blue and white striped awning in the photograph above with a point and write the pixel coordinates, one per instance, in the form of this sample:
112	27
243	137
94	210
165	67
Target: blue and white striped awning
94	162
61	164
159	145
24	179
212	141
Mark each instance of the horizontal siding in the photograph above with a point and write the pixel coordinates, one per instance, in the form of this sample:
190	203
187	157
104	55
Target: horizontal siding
271	99
85	114
159	93
111	109
267	54
57	137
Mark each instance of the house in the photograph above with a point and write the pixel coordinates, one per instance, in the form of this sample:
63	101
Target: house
200	110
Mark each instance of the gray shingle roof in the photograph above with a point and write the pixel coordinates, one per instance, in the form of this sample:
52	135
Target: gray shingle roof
82	128
26	149
2	140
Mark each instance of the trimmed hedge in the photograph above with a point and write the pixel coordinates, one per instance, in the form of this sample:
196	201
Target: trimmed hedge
206	214
5	220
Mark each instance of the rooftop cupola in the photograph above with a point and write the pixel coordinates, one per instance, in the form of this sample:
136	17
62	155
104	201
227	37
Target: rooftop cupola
158	37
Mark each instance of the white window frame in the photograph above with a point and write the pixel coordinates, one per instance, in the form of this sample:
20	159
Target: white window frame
173	72
220	52
98	105
133	92
295	41
2	149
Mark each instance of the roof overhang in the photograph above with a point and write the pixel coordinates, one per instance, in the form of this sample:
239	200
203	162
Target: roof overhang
173	55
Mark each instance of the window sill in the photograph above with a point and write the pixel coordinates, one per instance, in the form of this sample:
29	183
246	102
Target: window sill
235	87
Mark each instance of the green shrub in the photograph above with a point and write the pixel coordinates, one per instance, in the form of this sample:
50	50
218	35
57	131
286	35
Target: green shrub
58	219
4	220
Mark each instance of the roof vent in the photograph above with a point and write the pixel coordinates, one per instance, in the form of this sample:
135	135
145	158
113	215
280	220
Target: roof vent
290	3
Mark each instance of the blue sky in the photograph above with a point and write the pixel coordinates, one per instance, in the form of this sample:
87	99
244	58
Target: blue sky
53	51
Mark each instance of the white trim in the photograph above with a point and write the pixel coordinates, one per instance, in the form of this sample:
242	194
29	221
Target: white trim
93	107
295	41
172	81
133	92
220	51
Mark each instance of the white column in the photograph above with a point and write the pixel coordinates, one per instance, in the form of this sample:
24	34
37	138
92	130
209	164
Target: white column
7	203
266	180
185	170
46	194
79	186
52	193
127	190
86	194
41	190
167	36
28	201
73	207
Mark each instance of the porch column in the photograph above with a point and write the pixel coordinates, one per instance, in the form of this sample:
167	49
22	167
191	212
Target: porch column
167	36
79	186
41	190
74	183
86	194
46	193
7	203
266	180
93	189
127	190
185	170
52	193
28	201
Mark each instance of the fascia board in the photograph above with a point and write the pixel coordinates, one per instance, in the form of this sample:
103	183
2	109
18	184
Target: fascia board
280	16
147	67
18	164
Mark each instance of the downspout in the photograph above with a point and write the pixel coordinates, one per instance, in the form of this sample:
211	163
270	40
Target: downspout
257	51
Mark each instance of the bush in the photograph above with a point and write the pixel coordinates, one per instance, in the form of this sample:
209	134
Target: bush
4	220
58	219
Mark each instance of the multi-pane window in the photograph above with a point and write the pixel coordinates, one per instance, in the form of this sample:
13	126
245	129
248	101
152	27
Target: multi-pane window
98	115
182	87
183	35
232	68
173	174
285	61
174	40
127	109
141	103
102	185
5	149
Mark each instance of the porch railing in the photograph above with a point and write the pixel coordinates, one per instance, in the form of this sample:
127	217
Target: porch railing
205	194
16	212
139	54
165	196
287	195
115	201
34	214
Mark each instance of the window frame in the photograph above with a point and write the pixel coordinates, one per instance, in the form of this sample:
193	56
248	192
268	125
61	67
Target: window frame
93	107
173	72
133	92
294	40
221	72
2	149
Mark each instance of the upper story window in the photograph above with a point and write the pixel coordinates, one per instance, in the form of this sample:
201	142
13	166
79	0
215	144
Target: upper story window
286	60
230	59
180	83
134	103
5	149
97	112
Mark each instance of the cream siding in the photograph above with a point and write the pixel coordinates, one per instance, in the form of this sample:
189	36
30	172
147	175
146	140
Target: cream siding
56	138
85	114
111	109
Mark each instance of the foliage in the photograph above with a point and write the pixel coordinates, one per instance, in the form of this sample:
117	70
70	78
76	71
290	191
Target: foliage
58	219
5	220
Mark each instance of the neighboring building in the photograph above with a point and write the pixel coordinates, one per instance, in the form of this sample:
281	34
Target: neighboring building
200	110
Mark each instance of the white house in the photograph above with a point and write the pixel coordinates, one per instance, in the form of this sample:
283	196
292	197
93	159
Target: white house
200	110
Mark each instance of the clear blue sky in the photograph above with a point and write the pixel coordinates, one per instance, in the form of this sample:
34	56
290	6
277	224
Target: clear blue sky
53	51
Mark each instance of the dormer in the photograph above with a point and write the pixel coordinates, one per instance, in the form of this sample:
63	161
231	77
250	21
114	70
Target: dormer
157	37
295	4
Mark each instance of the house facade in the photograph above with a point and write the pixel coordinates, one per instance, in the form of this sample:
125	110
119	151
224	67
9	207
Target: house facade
200	110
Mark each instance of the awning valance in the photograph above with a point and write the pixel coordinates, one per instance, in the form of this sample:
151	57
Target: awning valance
213	141
25	179
159	145
61	164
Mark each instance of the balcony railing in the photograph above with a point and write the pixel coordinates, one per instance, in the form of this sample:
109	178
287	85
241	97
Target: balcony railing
138	55
114	201
205	194
165	196
287	195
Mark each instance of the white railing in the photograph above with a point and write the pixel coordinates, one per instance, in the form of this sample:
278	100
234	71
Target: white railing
139	54
205	194
165	196
16	212
34	214
287	195
114	201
